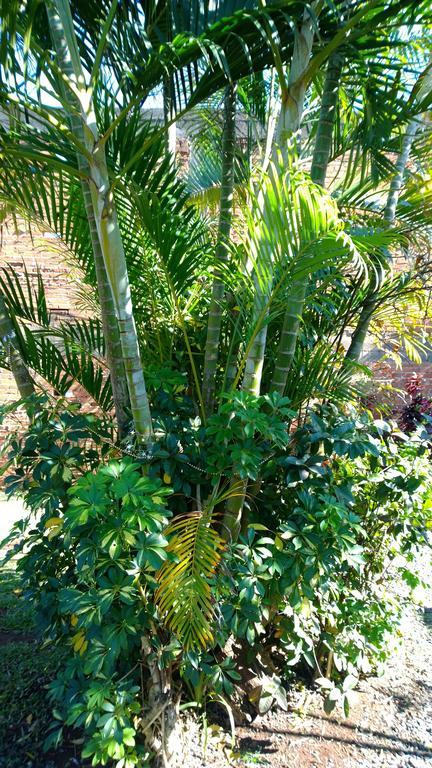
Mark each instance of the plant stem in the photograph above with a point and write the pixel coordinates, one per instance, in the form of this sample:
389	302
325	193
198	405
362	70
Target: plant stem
288	123
108	314
324	134
358	337
291	114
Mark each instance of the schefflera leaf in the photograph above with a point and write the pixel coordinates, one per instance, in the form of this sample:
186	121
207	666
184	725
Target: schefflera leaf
184	596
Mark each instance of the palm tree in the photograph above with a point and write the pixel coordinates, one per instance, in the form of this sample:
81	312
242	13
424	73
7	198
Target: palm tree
201	62
221	254
107	237
421	92
102	179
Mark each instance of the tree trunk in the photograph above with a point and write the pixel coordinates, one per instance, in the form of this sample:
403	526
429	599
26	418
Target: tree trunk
293	97
288	123
108	315
358	337
17	365
401	163
296	297
324	134
170	128
105	218
224	229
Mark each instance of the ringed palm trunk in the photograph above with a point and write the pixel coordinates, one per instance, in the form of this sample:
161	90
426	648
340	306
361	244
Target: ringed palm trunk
358	337
108	315
105	217
321	156
288	123
324	135
168	110
224	229
10	342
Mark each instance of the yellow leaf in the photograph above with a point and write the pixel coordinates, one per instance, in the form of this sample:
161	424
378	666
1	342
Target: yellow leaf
54	531
74	620
78	642
53	521
167	478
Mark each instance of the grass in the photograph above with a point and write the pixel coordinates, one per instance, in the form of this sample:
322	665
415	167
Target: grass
26	668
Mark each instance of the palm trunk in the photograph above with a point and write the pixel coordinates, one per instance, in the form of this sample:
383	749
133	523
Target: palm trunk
296	297
224	229
10	342
358	337
324	135
108	316
170	128
105	217
293	97
401	163
288	123
289	334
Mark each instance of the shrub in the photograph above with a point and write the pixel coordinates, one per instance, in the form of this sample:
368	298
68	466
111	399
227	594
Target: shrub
88	560
340	506
312	588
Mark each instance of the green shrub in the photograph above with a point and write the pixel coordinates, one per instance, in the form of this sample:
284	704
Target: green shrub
341	505
344	513
88	561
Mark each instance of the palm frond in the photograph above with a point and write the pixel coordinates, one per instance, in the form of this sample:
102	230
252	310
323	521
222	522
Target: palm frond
320	374
64	354
26	298
184	595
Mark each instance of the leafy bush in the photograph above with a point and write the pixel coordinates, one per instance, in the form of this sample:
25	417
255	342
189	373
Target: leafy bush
87	561
341	505
312	588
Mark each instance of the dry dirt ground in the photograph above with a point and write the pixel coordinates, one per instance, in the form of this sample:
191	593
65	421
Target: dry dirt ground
390	724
